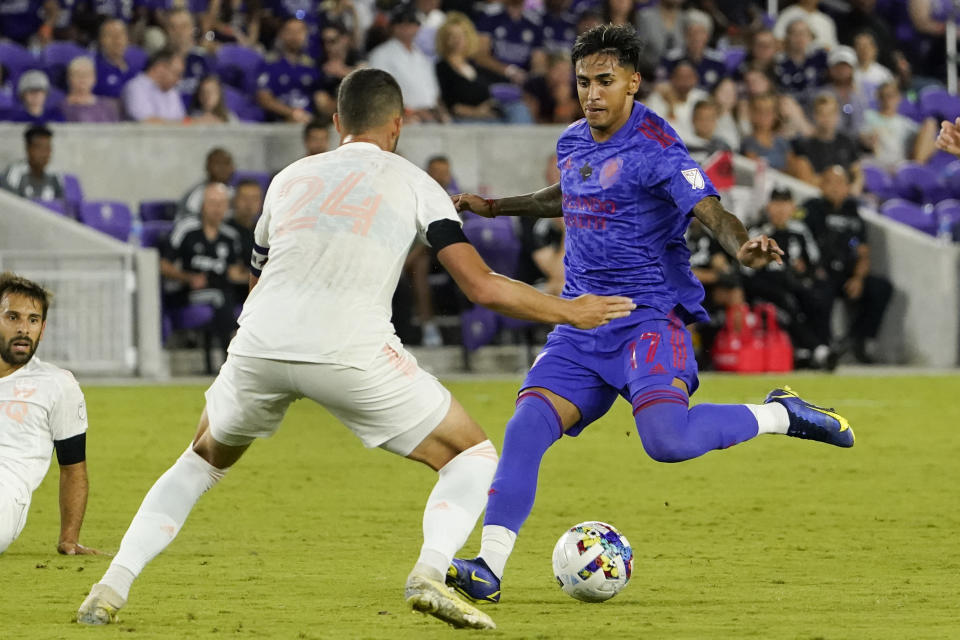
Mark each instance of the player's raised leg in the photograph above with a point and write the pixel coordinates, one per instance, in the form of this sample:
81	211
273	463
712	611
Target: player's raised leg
465	461
160	517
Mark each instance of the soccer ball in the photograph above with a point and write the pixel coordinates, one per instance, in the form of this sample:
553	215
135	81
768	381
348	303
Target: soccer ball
592	561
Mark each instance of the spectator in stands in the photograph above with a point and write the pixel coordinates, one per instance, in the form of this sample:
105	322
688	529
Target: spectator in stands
290	84
762	53
764	141
587	20
853	103
233	21
202	262
29	178
704	141
809	157
796	286
552	97
860	16
413	70
113	72
559	26
81	104
8	93
841	235
800	68
465	93
431	18
247	206
619	12
340	57
438	168
674	100
710	64
725	97
33	88
868	74
822	27
316	137
511	42
207	105
181	30
355	16
219	168
152	96
661	27
892	138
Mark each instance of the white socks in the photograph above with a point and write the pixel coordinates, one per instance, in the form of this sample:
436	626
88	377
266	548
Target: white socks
162	513
771	417
496	545
454	506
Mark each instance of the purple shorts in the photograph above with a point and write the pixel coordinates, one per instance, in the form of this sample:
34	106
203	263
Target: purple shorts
649	352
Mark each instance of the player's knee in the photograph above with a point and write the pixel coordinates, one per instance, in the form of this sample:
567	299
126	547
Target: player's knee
663	448
662	428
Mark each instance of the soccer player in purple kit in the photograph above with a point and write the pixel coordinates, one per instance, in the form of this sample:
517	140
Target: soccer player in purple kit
627	192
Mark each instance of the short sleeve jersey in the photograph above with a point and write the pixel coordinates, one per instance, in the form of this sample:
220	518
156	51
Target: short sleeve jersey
512	41
839	233
110	78
291	82
39	404
627	203
336	228
191	250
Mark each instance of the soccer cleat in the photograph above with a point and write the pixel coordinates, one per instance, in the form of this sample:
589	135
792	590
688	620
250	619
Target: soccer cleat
474	579
811	422
101	606
432	597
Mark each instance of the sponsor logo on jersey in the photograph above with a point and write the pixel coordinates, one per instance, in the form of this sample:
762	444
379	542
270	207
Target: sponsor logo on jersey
694	177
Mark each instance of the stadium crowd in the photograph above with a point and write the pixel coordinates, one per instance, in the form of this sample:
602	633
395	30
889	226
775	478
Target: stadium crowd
843	95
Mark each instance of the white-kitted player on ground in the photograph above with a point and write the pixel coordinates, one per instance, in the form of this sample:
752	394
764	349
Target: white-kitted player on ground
330	246
41	409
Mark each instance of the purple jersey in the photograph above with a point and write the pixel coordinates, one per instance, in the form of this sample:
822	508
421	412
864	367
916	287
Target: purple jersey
512	41
293	83
110	78
626	205
559	31
799	78
20	19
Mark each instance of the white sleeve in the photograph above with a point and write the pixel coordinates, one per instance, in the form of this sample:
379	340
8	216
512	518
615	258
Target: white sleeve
261	242
433	204
68	417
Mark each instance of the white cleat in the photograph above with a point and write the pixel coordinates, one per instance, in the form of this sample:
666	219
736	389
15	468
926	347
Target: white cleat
438	600
101	606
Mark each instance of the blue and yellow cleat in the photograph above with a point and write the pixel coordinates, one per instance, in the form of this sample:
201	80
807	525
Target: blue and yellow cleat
474	580
811	422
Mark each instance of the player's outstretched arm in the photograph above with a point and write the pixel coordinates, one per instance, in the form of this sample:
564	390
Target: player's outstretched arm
516	299
545	203
73	504
732	236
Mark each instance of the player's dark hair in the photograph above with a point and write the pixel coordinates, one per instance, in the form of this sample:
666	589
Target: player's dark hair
367	99
619	40
12	283
36	131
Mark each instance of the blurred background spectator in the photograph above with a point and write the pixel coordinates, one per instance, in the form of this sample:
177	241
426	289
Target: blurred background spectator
289	87
152	95
465	93
822	27
207	105
114	70
29	178
80	103
316	137
219	169
33	90
810	156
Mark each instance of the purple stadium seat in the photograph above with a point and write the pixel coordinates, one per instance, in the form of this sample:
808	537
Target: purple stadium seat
155	232
136	57
939	161
910	109
878	181
151	210
57	206
239	67
950	179
910	214
478	326
505	93
55	58
72	194
110	217
17	59
935	102
261	177
917	183
241	104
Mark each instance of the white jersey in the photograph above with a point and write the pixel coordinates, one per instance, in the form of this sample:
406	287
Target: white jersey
39	403
338	227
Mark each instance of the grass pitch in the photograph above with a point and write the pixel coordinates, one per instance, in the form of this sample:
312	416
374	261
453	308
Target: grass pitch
311	536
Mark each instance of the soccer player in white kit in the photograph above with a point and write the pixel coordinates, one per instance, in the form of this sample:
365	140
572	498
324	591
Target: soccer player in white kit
330	246
41	409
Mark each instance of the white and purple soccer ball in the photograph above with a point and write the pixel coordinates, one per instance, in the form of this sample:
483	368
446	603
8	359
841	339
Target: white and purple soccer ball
592	561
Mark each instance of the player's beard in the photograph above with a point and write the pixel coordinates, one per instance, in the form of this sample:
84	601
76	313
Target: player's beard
17	359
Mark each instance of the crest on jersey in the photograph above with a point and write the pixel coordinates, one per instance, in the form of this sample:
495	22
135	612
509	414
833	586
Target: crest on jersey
694	177
610	172
23	389
586	171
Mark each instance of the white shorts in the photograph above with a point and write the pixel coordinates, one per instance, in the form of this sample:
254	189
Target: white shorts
394	404
13	516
